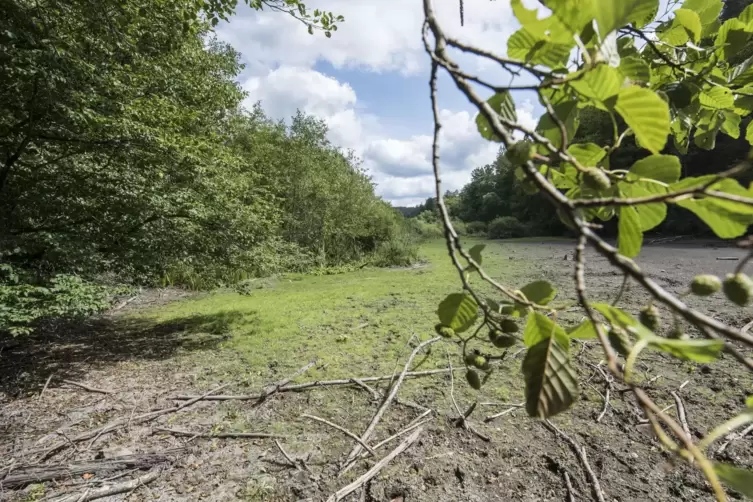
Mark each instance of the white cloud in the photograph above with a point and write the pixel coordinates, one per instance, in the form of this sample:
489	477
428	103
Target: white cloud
377	37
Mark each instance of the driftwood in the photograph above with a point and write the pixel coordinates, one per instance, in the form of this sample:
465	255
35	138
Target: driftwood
355	485
22	476
106	491
311	385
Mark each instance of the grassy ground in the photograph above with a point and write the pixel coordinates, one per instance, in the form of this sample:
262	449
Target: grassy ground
358	324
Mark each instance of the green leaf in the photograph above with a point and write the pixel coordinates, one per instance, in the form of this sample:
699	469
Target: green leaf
537	49
504	106
746	16
700	351
539	292
740	480
749	402
649	215
458	311
630	236
613	14
708	10
664	168
635	69
567	112
620	318
717	98
599	84
731	125
732	37
525	17
646	114
539	327
749	133
475	253
583	331
643	13
588	154
551	381
727	219
690	21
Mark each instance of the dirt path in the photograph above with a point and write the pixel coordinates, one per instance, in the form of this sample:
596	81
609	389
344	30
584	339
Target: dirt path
141	365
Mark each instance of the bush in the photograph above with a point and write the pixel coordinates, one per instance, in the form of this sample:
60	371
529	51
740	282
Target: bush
477	228
461	228
506	227
399	252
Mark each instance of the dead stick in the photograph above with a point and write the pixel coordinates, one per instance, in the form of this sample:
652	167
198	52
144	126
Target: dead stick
509	410
365	387
371	473
106	491
581	452
681	413
290	460
341	429
87	387
380	412
46	384
311	385
401	433
275	387
249	435
606	406
569	485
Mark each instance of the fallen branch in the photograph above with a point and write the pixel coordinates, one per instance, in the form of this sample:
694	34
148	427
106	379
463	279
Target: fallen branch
106	491
87	387
311	385
275	387
23	476
95	433
371	473
249	435
569	485
416	423
367	388
380	412
681	414
581	453
343	430
513	407
46	384
299	464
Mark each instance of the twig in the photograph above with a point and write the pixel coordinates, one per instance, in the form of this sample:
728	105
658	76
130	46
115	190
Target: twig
727	258
512	408
106	491
249	435
462	420
275	387
355	485
365	387
311	385
393	392
608	385
300	464
581	452
341	429
87	387
124	303
569	485
46	384
732	437
681	413
747	327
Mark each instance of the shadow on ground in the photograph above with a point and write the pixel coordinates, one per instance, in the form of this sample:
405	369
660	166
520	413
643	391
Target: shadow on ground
71	348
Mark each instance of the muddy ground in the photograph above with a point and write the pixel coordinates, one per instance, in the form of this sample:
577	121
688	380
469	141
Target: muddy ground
145	365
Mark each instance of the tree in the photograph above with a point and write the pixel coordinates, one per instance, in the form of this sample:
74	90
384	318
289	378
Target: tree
655	77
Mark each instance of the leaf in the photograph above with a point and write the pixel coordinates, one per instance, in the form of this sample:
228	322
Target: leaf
475	253
727	219
738	479
646	114
537	49
717	98
583	331
708	10
551	382
599	84
620	318
700	351
690	21
458	311
649	215
731	125
749	133
539	327
664	168
630	236
613	14
567	112
504	106
643	13
635	69
539	292
588	154
732	37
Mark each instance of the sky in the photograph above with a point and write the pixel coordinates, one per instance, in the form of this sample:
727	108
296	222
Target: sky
369	83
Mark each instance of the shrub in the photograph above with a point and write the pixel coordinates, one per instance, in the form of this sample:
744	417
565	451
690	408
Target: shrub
506	227
477	228
399	252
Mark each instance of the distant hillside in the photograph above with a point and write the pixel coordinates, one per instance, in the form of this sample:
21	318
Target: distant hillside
409	212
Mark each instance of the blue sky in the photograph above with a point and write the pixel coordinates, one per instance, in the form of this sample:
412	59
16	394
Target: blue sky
369	82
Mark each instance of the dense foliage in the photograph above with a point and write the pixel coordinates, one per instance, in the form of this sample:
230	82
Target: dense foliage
125	154
656	90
